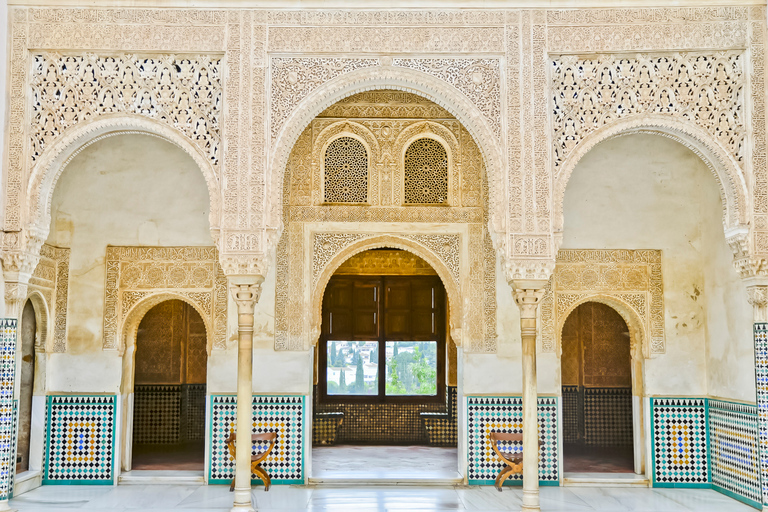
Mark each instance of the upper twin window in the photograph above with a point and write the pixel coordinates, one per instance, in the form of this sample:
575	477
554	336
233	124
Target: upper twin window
425	172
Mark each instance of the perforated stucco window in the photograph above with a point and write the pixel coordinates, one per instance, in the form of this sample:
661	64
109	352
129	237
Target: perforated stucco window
426	173
346	171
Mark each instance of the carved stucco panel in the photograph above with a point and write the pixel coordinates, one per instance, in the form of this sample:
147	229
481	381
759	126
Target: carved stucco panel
189	273
51	280
633	277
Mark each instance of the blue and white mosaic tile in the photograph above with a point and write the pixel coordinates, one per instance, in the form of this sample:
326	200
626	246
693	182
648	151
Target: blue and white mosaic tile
733	447
761	385
679	437
81	440
505	414
281	414
7	418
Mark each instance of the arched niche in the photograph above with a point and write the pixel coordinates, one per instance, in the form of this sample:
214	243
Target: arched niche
637	335
53	161
729	176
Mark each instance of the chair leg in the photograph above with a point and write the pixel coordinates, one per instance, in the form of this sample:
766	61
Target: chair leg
259	471
503	475
232	485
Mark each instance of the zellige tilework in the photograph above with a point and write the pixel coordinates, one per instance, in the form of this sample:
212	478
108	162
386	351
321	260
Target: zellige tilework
505	414
81	440
282	414
761	386
7	417
733	449
679	442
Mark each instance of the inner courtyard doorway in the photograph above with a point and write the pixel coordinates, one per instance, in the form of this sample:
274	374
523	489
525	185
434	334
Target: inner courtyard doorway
169	391
26	385
385	407
597	391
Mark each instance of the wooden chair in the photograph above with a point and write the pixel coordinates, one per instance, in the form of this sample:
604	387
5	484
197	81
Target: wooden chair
513	461
258	458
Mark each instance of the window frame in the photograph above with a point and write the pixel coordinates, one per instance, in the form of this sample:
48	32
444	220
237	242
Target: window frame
440	311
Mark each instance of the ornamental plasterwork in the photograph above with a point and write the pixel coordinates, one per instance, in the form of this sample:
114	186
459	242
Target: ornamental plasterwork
183	92
649	91
630	277
522	41
466	256
138	275
51	280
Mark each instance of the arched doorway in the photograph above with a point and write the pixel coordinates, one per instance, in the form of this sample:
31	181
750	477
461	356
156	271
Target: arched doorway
385	375
26	386
596	368
171	361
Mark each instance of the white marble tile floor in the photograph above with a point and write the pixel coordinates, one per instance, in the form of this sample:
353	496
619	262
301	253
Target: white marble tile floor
154	498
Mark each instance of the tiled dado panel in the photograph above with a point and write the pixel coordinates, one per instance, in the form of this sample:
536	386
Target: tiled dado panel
733	449
80	440
7	406
505	414
761	385
281	414
679	437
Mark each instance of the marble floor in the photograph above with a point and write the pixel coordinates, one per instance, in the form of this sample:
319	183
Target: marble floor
156	498
353	462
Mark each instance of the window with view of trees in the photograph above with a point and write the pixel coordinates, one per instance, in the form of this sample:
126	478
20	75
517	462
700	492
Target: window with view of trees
383	339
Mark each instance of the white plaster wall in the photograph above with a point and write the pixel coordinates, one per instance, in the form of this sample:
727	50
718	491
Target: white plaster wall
273	372
648	192
123	190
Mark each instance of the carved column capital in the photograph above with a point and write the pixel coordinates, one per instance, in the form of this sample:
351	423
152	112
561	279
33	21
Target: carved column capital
246	294
757	295
528	295
20	255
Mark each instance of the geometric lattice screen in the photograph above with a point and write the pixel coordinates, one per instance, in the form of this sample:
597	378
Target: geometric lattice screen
346	171
426	173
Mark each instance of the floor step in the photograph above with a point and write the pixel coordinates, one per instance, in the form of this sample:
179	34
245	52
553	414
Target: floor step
401	481
147	477
605	480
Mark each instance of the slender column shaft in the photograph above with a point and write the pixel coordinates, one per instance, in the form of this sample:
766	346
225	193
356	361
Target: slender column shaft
530	417
528	297
246	296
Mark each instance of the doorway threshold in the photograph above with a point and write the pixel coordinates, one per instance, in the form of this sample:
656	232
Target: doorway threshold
605	480
404	480
161	477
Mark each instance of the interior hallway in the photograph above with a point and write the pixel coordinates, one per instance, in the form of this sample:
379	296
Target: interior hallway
280	498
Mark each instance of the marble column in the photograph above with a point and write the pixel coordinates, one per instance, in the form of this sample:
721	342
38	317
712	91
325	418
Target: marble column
246	293
757	295
528	295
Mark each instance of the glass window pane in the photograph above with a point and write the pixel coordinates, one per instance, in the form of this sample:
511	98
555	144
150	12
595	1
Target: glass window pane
411	368
352	368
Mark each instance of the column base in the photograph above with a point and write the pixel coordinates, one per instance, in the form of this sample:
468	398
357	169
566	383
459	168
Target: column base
6	507
531	501
242	501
